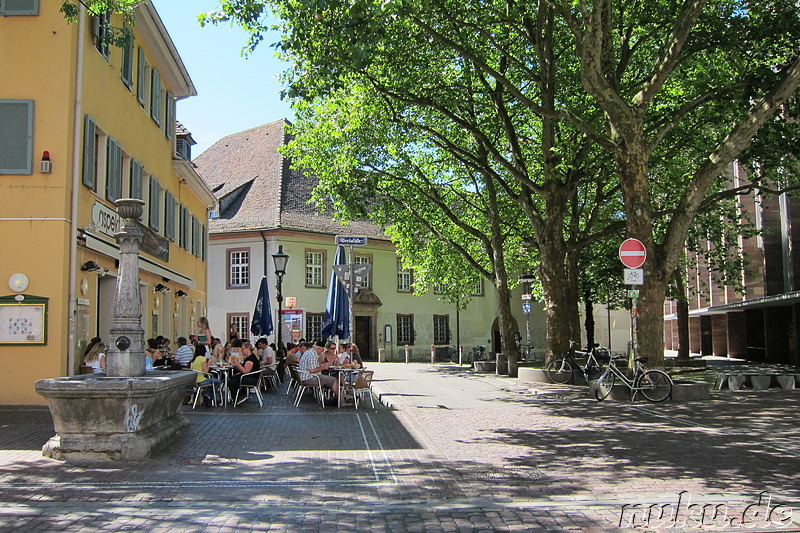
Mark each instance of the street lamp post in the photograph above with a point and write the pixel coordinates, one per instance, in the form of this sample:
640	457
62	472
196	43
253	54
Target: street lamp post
280	259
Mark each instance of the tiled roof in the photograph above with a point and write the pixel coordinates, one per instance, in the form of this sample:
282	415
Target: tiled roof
257	190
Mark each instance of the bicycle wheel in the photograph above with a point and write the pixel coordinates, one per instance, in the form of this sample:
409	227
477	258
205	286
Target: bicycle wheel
604	385
559	370
655	385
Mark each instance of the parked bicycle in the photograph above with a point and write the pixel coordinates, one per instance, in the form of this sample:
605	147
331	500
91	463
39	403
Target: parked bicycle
561	370
655	385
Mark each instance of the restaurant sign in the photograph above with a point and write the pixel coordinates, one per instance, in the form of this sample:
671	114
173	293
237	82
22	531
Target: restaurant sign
105	219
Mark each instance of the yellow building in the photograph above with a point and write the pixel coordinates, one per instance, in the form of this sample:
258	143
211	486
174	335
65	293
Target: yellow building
83	123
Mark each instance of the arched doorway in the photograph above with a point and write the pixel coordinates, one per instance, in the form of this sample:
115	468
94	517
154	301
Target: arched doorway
496	346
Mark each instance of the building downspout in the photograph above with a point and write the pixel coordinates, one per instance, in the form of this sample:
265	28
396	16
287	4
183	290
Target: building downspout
77	151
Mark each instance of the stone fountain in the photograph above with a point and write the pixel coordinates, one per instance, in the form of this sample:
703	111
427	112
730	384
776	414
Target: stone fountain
128	413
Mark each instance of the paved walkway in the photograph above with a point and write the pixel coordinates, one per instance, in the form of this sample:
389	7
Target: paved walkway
453	451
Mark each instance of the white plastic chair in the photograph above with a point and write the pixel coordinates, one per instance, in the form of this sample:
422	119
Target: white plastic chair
256	387
200	388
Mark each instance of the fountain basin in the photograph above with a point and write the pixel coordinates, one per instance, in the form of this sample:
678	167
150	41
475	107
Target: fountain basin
114	418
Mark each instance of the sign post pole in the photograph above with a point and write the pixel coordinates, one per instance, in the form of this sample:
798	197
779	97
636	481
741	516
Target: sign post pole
633	254
350	241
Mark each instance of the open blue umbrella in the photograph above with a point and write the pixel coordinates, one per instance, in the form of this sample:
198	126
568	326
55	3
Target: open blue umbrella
262	315
337	307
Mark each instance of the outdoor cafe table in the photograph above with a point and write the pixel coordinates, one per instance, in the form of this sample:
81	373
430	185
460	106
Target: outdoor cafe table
225	373
338	371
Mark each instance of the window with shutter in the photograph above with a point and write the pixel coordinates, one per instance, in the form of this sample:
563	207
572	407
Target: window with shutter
169	116
195	236
141	80
155	200
155	96
113	170
169	216
183	150
89	153
101	33
136	179
126	70
16	136
19	7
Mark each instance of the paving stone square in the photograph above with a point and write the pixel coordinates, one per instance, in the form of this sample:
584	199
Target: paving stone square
446	449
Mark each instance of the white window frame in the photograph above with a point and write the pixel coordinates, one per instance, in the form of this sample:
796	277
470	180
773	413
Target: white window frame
404	278
315	269
238	261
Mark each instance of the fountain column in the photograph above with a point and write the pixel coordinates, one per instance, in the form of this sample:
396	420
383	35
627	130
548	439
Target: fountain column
125	357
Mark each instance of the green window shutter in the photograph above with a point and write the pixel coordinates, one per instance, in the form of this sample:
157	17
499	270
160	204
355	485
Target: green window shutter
89	156
155	96
204	246
19	7
113	170
169	216
136	179
185	228
195	236
155	199
169	116
141	80
126	69
16	136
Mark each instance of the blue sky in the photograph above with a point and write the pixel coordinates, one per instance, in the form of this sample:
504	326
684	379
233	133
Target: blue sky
233	93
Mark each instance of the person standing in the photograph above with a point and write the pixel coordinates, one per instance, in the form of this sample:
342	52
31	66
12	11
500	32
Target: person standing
204	334
233	332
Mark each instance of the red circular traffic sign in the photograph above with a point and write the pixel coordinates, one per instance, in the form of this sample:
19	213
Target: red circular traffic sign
632	253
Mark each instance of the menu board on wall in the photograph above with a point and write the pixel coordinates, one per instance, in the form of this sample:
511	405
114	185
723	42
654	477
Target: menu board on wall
23	323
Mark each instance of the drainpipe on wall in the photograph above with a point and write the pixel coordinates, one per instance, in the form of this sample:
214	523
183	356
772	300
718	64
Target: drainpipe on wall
263	238
77	151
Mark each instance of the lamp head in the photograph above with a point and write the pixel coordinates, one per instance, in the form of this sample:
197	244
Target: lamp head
280	259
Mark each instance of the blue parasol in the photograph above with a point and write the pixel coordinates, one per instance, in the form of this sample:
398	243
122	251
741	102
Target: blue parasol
337	307
262	315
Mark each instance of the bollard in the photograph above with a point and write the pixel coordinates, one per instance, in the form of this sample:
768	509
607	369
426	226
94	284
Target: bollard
433	354
406	353
460	355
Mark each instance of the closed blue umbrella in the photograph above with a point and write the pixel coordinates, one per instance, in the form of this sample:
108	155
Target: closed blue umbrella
337	307
262	315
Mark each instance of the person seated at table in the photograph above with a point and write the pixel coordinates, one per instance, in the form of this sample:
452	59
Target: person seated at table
347	356
266	355
329	354
96	358
293	353
183	355
310	369
217	351
249	363
165	347
236	351
152	351
200	364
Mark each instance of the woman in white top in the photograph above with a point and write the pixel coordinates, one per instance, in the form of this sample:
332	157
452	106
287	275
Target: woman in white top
96	358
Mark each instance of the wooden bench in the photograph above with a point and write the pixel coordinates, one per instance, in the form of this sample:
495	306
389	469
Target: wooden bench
758	381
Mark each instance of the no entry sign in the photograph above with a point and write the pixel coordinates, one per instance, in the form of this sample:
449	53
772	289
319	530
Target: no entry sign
632	253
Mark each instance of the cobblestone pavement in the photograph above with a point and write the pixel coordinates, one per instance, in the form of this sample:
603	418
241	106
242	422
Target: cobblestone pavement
446	450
